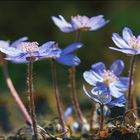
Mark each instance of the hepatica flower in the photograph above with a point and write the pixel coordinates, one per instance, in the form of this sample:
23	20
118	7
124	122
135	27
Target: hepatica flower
128	43
68	57
110	80
69	111
105	98
78	22
30	51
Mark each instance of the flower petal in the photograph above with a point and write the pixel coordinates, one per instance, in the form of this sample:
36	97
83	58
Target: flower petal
115	92
105	97
127	34
72	48
118	102
76	24
98	68
62	24
96	22
100	87
125	50
117	67
17	60
68	112
50	50
4	43
68	60
122	84
119	41
9	50
90	78
15	43
91	97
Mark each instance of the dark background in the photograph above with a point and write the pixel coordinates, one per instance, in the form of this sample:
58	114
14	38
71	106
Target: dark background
33	19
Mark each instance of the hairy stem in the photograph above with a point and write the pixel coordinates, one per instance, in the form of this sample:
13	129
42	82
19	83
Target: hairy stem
77	37
73	87
131	72
57	97
74	95
92	117
135	106
32	104
101	117
15	94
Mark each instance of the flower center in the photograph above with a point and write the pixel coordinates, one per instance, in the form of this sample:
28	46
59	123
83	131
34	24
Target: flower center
104	97
109	77
83	20
29	47
134	43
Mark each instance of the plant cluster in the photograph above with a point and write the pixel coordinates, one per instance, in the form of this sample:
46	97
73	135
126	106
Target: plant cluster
108	87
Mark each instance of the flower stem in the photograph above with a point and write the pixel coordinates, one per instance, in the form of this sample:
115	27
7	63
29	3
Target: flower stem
101	117
92	117
57	96
135	106
32	104
15	94
73	87
78	33
131	72
74	95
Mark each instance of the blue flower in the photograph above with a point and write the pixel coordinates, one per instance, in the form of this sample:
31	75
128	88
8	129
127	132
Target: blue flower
110	80
105	98
68	57
79	23
128	43
23	52
69	111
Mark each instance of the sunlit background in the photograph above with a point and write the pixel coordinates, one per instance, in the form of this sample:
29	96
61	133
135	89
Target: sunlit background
33	19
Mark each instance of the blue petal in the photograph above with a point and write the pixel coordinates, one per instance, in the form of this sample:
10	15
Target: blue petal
62	24
99	68
91	97
49	49
68	112
10	50
105	97
118	102
90	78
15	43
125	50
47	46
117	67
97	76
119	41
17	60
100	87
4	43
76	24
122	84
115	92
96	22
72	48
127	34
68	60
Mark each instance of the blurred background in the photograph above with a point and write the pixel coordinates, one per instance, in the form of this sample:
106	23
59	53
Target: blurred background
33	19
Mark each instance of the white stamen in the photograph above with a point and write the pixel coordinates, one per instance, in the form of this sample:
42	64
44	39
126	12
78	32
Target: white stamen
109	77
83	20
134	43
29	47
